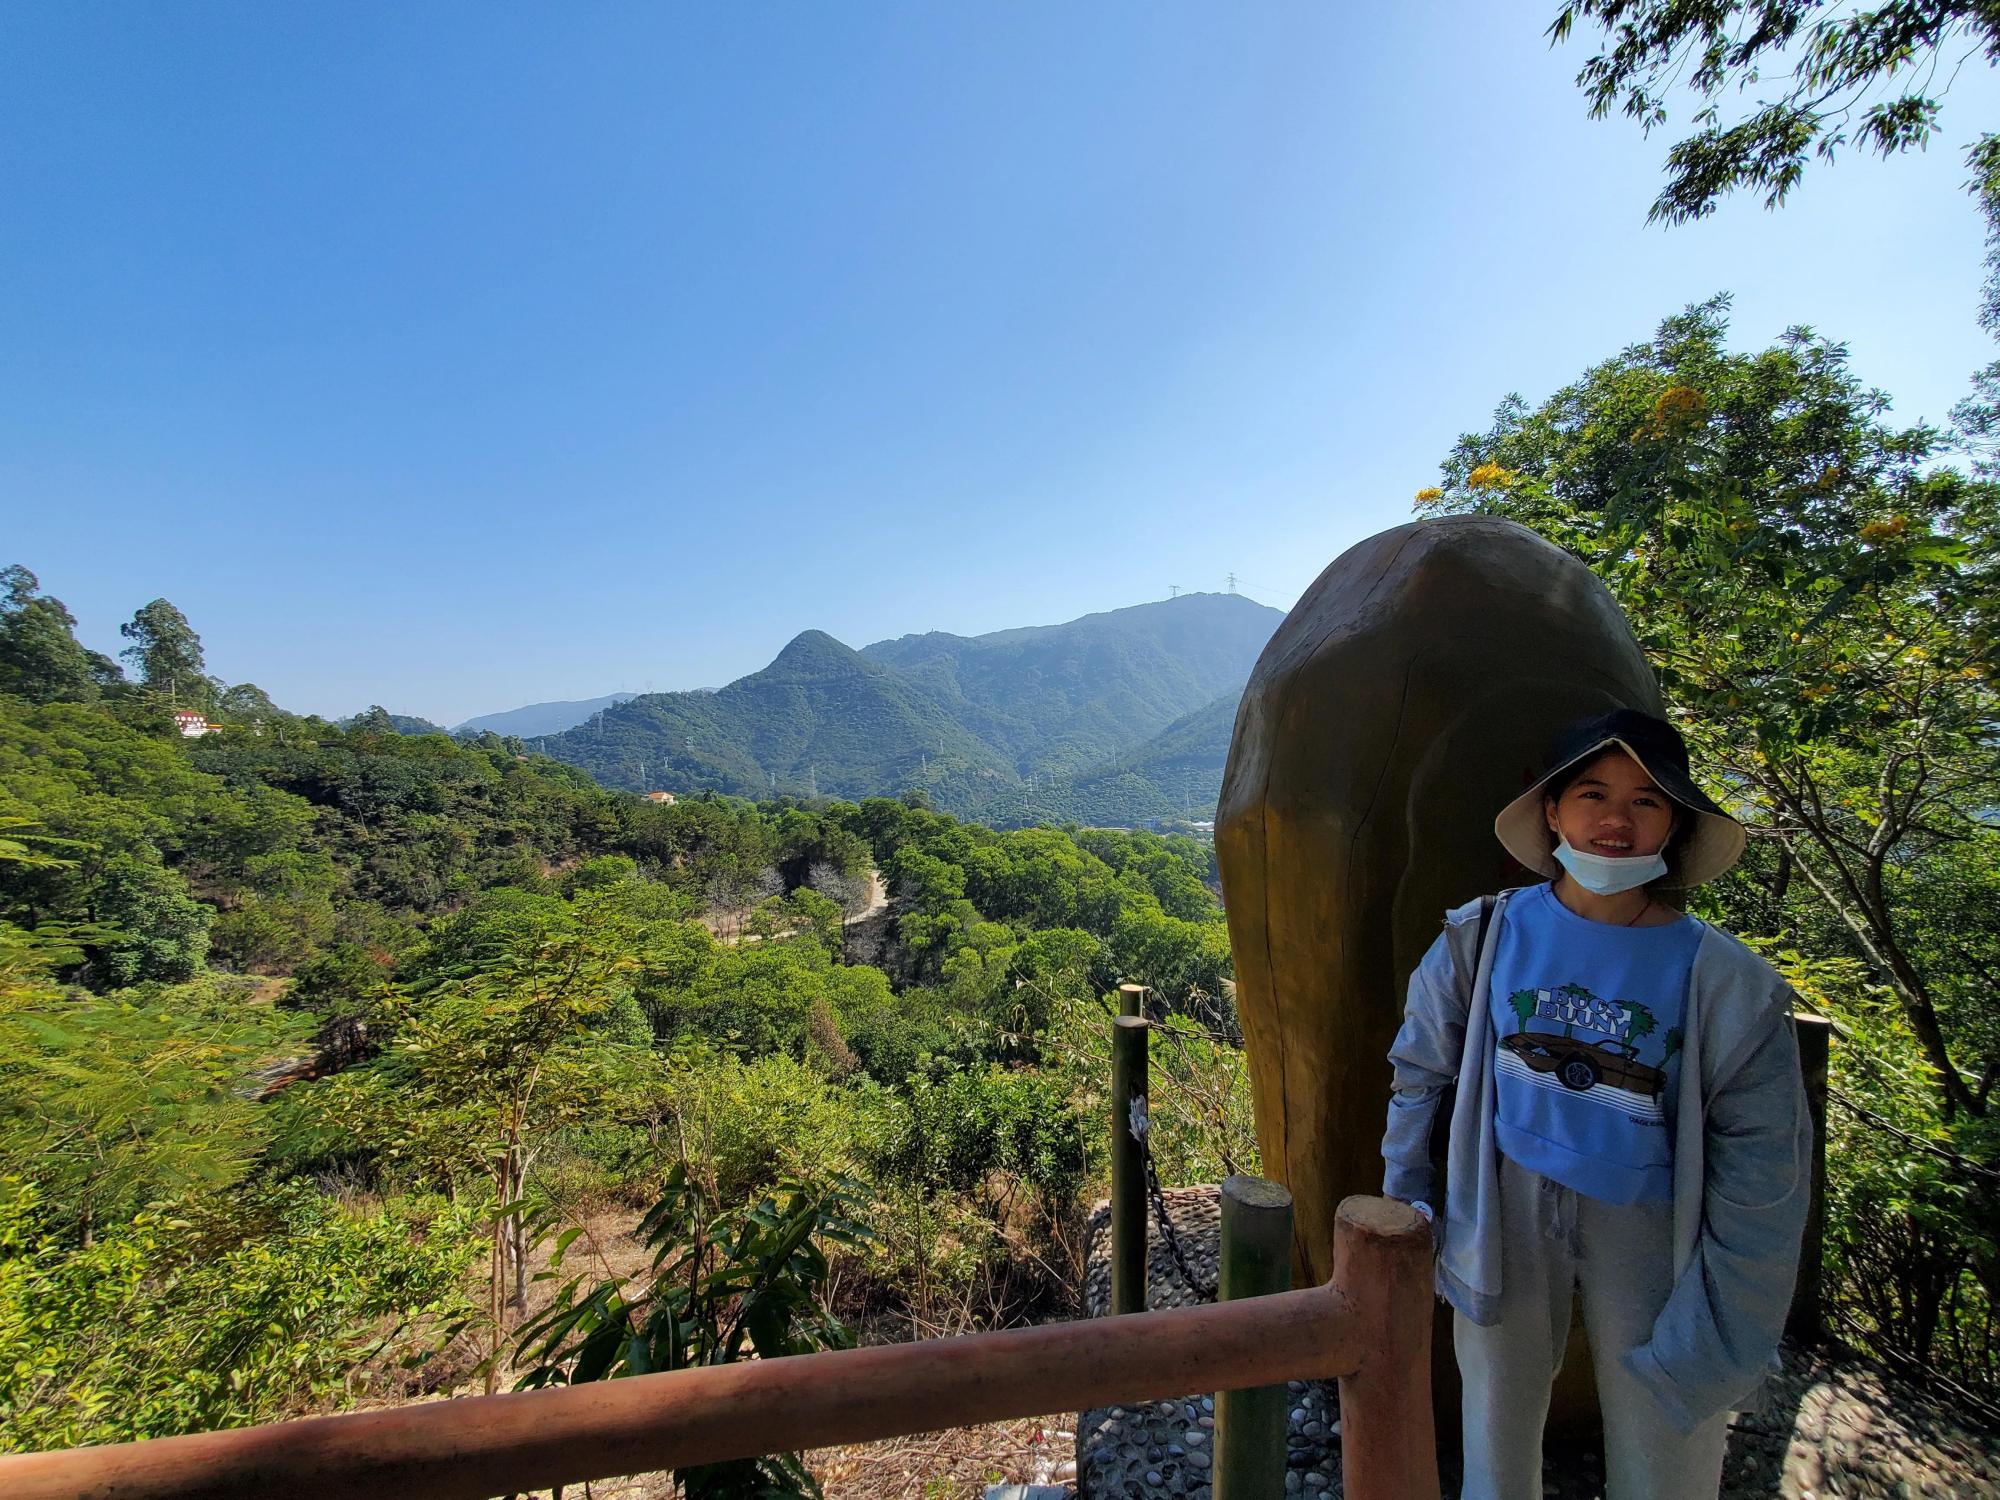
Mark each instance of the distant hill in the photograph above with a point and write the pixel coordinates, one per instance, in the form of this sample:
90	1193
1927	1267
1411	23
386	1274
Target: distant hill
1175	774
541	718
1064	697
377	717
1121	718
820	718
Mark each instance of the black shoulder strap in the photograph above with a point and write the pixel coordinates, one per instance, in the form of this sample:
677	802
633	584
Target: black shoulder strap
1448	1100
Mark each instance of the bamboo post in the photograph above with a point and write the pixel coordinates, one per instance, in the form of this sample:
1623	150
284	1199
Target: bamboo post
1131	1000
1256	1261
1388	1435
1805	1322
1128	1166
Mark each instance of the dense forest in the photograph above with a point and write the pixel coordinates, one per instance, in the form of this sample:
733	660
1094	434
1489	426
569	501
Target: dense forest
319	1043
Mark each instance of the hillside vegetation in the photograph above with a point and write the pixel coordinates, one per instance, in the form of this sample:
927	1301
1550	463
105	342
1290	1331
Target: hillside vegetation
1021	726
314	1040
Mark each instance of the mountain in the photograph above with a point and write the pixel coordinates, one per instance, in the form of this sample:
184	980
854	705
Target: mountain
1059	698
820	718
540	718
1120	717
1177	774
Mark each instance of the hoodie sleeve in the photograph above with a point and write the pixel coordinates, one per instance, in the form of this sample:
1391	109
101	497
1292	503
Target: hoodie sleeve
1425	1058
1713	1341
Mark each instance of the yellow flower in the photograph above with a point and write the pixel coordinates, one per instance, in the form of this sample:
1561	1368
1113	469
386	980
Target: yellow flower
1428	494
1679	408
1883	531
1490	476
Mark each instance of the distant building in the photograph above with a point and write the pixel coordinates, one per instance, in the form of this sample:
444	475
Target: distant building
192	724
658	796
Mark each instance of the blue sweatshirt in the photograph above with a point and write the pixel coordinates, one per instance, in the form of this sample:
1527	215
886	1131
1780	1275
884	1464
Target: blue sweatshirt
1587	1041
1742	1170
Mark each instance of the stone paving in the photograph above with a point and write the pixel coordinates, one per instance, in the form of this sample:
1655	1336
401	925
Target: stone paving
1827	1426
1159	1449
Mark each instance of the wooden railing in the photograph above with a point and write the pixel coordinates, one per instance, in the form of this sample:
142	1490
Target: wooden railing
1369	1327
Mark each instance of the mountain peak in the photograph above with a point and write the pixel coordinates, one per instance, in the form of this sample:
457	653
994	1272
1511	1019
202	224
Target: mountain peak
814	653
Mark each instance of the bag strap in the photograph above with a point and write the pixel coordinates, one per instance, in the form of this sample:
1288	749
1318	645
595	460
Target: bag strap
1448	1100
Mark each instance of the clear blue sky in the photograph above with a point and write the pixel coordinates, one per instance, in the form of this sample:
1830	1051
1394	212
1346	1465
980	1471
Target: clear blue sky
457	356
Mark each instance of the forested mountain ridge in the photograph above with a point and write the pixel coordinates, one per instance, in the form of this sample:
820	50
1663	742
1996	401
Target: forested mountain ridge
1009	727
820	718
1061	698
532	719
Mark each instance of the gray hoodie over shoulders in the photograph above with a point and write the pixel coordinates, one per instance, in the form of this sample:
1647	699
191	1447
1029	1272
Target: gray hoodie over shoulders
1742	1159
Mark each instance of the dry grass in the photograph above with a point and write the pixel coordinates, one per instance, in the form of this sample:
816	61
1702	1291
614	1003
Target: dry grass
956	1464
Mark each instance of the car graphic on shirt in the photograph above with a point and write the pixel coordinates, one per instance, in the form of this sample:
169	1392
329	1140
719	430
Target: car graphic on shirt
1583	1065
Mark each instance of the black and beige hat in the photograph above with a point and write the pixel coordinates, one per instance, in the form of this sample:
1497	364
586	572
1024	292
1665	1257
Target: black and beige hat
1712	845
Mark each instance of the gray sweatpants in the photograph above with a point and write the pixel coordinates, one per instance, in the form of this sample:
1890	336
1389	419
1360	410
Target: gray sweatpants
1555	1242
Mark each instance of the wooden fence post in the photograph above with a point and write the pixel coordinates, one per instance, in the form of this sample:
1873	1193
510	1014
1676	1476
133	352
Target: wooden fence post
1805	1323
1256	1260
1128	1166
1131	1000
1388	1434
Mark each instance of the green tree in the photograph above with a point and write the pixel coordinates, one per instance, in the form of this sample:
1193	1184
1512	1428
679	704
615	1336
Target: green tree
246	703
40	657
162	931
1639	1020
1524	1003
494	1049
108	1103
167	653
1836	62
1911	51
217	1313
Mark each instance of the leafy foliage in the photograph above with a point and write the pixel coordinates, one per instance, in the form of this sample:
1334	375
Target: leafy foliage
1837	61
725	1285
460	969
183	1321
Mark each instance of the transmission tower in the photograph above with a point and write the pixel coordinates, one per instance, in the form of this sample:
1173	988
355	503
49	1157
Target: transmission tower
1232	583
1173	591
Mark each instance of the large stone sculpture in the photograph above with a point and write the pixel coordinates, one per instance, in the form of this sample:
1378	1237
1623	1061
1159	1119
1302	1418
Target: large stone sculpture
1407	697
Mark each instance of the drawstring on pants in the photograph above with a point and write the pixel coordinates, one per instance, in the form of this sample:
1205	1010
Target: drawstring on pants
1555	1216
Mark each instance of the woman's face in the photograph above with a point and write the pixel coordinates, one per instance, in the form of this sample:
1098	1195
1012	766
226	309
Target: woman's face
1612	809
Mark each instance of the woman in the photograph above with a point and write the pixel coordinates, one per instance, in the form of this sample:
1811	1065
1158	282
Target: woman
1628	1123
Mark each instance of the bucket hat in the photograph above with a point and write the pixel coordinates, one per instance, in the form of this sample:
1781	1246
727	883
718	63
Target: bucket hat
1712	845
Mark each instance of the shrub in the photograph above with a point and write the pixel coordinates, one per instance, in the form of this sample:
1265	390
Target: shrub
184	1321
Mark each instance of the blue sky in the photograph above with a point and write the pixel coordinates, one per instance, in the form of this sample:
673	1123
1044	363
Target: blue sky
459	356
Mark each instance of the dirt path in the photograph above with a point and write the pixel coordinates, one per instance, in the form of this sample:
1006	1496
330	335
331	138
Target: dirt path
878	897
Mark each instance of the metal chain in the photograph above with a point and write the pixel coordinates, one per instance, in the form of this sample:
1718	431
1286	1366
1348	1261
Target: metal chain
1868	1116
1142	1131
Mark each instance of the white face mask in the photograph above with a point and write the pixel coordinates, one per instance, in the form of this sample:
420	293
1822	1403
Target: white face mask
1606	876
